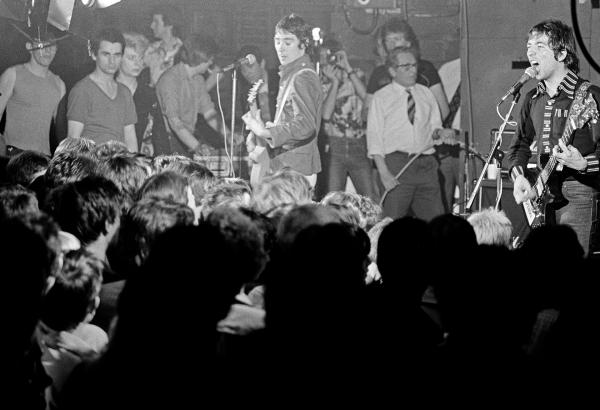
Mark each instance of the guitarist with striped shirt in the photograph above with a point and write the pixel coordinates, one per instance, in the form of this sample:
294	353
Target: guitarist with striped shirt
560	117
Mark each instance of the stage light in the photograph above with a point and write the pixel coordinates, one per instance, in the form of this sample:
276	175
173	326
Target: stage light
99	4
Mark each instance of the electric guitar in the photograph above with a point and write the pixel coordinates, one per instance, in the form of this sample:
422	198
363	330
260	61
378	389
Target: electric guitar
580	113
259	155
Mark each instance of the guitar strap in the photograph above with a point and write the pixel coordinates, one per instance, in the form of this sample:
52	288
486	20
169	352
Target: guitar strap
579	97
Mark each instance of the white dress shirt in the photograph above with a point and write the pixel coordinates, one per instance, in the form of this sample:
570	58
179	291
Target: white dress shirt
388	127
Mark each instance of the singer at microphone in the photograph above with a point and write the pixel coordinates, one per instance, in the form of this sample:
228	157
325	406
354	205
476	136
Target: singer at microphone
249	59
529	73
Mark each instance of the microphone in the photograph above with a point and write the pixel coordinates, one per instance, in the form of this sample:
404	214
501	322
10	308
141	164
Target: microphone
529	73
249	59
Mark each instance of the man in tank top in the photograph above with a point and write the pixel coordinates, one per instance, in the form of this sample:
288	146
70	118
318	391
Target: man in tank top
30	95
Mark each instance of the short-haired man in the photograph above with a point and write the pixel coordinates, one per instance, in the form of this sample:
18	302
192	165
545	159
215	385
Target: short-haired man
292	140
183	95
543	118
402	118
166	23
30	93
100	108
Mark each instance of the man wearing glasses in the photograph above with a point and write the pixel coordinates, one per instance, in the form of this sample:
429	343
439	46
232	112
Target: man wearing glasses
402	119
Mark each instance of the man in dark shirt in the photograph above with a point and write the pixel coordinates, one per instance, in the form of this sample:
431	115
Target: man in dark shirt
543	117
398	33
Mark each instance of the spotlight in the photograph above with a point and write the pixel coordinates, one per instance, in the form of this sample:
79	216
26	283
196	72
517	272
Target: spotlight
99	4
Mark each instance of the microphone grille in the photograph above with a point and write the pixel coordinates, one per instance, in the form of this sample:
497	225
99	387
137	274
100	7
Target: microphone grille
531	71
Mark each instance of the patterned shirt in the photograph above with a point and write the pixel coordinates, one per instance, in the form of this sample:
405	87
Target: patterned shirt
544	117
346	120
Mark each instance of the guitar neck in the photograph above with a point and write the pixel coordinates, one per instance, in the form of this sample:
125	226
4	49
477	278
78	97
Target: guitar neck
552	161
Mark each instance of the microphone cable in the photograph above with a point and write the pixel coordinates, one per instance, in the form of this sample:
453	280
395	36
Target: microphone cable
224	127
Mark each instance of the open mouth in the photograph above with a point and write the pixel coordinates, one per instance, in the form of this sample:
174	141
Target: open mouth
535	64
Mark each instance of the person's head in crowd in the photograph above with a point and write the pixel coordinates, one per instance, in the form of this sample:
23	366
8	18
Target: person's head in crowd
282	188
292	38
371	211
404	242
76	145
167	185
75	294
17	201
107	50
69	167
546	237
177	250
348	204
560	39
163	162
140	227
3	163
42	224
396	32
26	268
128	171
132	62
26	166
198	52
335	256
492	227
200	178
402	66
266	226
167	22
90	209
301	217
244	236
108	149
373	274
234	195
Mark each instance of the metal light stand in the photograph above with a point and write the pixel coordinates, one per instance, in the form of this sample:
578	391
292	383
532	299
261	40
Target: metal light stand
495	154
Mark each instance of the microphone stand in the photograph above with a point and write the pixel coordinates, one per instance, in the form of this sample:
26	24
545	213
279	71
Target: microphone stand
495	154
233	101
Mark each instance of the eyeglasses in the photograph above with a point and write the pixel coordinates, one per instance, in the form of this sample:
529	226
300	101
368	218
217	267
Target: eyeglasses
406	67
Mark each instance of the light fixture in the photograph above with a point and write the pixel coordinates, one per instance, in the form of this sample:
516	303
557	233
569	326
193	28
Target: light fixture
99	4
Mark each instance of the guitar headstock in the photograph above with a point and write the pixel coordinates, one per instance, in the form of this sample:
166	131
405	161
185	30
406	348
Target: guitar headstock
254	91
584	112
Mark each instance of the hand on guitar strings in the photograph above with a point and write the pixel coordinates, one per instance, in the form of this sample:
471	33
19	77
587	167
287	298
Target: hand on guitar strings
569	156
522	190
254	123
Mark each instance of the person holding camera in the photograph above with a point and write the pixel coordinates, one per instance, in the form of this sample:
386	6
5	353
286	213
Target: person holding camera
343	126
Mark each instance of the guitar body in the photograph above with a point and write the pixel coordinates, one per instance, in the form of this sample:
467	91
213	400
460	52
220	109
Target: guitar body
582	110
261	163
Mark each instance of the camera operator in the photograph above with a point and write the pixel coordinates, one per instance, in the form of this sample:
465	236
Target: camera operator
343	126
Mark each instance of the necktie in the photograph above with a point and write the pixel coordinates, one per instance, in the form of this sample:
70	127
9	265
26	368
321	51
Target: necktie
410	107
454	106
